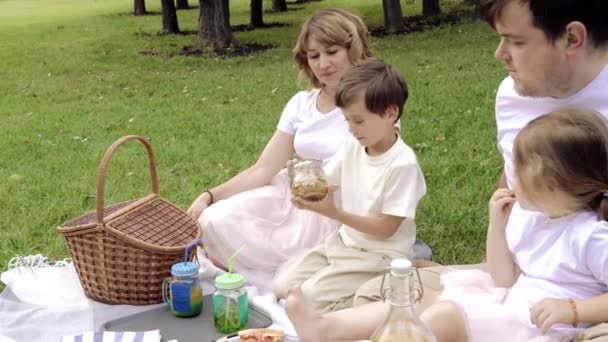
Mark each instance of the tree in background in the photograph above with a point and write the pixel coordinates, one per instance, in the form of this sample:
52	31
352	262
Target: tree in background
430	8
279	5
256	18
139	7
182	4
393	16
170	25
214	24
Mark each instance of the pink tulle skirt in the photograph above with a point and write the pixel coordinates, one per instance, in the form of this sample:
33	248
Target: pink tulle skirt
272	230
486	317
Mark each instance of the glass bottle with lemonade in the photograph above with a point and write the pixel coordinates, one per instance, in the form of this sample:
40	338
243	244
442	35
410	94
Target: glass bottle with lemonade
402	324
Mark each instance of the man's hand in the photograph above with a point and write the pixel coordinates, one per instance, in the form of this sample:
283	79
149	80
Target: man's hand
500	205
550	311
326	206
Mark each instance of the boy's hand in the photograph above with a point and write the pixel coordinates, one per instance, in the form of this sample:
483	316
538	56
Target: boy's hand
500	207
550	311
326	206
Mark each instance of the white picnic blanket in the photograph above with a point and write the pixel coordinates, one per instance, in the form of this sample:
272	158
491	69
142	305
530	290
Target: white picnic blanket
44	304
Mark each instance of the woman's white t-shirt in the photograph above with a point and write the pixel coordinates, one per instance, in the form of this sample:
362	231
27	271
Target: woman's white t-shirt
316	135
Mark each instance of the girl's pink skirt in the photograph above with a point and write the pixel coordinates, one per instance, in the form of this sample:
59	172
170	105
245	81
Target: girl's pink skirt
486	317
266	222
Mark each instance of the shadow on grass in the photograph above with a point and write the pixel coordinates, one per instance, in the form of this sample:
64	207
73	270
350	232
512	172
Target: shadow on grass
235	28
234	50
130	14
289	9
191	7
301	2
247	27
419	23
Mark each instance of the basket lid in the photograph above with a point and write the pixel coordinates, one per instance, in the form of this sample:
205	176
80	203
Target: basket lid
184	268
155	223
229	281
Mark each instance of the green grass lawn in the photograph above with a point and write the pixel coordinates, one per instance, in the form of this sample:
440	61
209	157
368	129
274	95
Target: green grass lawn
73	80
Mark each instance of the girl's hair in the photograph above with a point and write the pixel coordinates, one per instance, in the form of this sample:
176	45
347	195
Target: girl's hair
331	27
566	150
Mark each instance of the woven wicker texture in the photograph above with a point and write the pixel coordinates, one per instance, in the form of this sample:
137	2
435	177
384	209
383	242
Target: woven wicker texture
157	222
123	252
91	217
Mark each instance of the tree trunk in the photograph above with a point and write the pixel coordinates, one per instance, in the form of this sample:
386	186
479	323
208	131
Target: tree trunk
139	7
170	25
393	16
279	6
256	18
182	4
214	23
430	8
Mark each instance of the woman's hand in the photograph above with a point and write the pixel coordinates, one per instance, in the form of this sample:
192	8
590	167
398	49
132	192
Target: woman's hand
550	311
199	205
500	205
326	206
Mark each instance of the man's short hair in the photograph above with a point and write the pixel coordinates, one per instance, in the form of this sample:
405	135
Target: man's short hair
380	85
552	16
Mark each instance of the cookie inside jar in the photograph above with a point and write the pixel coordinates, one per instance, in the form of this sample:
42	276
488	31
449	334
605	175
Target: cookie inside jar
307	179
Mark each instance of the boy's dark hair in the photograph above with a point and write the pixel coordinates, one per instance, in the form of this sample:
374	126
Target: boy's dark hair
380	84
552	16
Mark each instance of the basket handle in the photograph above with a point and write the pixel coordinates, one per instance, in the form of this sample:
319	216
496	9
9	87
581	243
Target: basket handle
104	165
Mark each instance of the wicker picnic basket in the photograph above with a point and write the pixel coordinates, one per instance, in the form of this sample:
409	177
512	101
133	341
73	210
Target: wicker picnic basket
123	252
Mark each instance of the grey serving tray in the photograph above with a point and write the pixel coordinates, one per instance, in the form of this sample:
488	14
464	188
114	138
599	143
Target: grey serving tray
193	329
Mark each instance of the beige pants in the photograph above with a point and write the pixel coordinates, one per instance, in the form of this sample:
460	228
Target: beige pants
331	273
429	276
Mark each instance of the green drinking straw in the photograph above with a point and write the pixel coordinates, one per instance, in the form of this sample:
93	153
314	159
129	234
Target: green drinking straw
230	260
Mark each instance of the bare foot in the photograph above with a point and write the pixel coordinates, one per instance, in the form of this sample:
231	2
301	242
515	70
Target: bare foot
309	325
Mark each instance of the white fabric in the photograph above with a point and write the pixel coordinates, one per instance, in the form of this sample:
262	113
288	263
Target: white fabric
36	323
52	286
111	336
566	257
513	111
391	183
21	321
316	135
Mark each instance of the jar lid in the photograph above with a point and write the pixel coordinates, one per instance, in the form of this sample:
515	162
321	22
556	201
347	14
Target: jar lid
184	268
229	281
401	266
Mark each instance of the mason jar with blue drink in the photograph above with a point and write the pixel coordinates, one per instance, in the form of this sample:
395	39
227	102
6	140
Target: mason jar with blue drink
183	291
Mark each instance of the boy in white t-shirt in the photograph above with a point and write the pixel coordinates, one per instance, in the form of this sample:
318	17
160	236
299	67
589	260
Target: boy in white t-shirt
381	184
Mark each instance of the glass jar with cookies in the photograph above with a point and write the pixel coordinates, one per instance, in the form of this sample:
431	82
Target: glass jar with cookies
307	179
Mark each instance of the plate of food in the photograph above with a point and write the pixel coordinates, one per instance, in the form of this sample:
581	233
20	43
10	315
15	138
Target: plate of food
256	335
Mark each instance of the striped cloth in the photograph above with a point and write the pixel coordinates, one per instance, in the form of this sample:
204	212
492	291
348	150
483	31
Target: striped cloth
115	336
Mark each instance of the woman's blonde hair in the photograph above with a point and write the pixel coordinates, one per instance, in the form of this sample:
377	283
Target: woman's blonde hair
566	150
331	27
